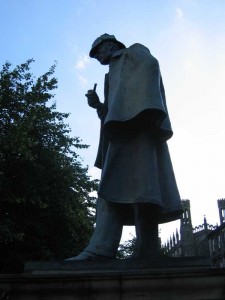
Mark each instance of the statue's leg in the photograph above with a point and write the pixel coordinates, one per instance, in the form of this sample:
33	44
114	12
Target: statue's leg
106	237
146	225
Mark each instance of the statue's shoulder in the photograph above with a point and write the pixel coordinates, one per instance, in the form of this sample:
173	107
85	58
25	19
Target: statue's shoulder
140	51
138	46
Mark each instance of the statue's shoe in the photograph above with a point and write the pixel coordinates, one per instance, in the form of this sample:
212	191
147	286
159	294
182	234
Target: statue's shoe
85	255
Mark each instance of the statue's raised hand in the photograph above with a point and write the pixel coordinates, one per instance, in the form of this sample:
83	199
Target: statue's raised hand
93	99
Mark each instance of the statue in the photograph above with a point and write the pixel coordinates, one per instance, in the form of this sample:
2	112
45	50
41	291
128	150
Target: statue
137	184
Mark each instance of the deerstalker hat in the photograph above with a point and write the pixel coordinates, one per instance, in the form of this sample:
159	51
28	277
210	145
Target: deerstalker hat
104	38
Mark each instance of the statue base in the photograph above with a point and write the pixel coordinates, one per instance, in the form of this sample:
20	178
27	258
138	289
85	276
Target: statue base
123	280
55	267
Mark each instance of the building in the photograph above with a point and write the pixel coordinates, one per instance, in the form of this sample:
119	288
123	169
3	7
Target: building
216	238
191	241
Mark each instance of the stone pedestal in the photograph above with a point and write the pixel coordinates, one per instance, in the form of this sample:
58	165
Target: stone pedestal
63	281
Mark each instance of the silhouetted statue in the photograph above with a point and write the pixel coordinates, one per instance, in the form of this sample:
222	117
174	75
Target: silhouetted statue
137	185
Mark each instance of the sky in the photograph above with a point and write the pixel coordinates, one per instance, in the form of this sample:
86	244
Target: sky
188	39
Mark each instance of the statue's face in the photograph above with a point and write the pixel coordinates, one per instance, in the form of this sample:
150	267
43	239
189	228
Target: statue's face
104	53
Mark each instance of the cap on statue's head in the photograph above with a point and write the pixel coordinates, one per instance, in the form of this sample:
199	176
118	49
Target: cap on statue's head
101	39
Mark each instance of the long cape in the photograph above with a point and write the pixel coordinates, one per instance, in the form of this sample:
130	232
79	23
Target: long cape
133	153
136	94
134	98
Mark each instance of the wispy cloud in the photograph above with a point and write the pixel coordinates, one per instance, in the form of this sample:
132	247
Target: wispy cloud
83	81
179	13
82	62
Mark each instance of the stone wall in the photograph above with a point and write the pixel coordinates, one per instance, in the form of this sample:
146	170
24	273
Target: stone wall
163	284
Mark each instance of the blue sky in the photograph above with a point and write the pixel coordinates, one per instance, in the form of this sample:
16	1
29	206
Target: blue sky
188	39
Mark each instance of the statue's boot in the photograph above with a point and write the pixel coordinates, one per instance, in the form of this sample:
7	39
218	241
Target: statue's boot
106	237
86	255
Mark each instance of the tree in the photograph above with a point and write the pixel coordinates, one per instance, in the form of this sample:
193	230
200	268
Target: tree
45	202
126	249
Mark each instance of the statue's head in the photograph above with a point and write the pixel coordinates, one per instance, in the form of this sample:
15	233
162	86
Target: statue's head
103	39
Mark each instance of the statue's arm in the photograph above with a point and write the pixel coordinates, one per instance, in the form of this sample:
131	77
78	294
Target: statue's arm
102	111
93	99
94	102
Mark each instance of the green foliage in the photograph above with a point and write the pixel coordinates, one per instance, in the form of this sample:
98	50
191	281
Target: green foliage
45	202
126	250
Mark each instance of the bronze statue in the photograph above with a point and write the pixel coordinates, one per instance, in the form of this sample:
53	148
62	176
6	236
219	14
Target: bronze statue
137	185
